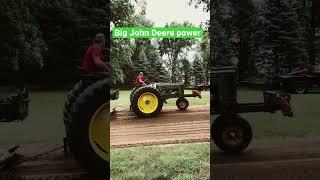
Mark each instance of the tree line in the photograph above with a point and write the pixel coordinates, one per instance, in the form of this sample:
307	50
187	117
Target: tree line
44	40
265	37
161	60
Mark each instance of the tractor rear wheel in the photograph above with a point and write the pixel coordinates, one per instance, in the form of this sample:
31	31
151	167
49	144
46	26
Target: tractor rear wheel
182	103
68	106
147	101
131	95
89	137
231	133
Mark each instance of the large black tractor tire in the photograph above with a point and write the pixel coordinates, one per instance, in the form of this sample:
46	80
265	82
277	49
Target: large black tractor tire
150	99
84	146
70	100
131	95
182	103
299	86
231	133
68	106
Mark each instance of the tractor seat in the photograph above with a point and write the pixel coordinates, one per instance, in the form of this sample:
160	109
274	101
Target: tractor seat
92	76
83	73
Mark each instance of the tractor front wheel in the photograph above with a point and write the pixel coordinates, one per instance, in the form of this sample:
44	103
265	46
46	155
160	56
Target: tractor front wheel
182	103
231	133
146	102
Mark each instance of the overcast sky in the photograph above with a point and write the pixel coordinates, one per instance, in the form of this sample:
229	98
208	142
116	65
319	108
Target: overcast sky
161	12
166	11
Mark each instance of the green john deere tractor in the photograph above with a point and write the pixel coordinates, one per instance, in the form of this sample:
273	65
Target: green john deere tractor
87	124
229	131
147	101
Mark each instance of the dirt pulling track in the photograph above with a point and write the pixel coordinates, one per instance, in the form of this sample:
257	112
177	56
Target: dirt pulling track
53	166
288	159
170	127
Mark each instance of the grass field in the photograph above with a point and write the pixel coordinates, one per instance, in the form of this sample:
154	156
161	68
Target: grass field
305	123
178	162
45	120
175	162
124	102
43	124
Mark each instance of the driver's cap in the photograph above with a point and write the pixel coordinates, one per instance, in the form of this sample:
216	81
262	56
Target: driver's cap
99	37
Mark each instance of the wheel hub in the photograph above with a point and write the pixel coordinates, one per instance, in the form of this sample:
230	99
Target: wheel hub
300	89
182	104
99	135
148	103
233	136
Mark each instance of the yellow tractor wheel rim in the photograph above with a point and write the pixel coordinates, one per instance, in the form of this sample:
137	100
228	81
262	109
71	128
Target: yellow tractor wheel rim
148	103
99	131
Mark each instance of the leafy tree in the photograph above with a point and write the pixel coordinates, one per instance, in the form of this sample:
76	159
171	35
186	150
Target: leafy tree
61	34
121	12
173	48
198	3
21	42
125	53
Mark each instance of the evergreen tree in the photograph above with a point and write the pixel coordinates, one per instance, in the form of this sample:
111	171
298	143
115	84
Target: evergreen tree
244	14
284	34
198	71
309	20
91	18
186	71
155	69
221	32
173	47
204	51
260	54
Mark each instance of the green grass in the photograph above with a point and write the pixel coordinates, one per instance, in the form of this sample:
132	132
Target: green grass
162	162
43	124
305	123
124	100
177	162
191	161
45	120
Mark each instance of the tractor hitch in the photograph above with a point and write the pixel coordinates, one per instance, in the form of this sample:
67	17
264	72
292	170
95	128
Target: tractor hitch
282	101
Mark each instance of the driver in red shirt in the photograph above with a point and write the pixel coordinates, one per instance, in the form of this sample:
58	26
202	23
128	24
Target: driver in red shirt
139	80
94	59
